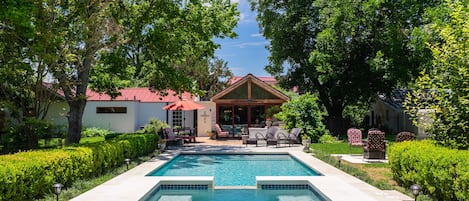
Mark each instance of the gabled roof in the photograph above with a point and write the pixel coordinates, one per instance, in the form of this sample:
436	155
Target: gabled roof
249	78
268	80
140	95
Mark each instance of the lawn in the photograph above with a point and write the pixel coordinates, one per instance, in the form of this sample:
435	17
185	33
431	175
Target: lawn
91	139
378	175
54	142
336	148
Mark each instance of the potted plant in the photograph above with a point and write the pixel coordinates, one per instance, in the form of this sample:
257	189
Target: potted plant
162	145
210	134
268	122
305	139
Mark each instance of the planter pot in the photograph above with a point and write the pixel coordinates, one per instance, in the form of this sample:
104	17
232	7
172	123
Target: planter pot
212	136
306	142
162	147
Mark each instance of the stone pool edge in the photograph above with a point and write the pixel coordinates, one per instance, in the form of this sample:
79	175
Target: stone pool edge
334	184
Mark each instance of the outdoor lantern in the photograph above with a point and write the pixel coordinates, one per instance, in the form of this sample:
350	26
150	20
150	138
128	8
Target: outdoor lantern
127	162
339	158
415	190
57	189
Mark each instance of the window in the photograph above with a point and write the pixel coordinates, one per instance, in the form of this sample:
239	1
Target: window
111	109
177	118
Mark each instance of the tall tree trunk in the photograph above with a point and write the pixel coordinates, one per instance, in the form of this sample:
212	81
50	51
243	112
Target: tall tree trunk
337	125
78	102
75	121
335	122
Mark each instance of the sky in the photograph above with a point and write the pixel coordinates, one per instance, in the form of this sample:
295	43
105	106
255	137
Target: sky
246	53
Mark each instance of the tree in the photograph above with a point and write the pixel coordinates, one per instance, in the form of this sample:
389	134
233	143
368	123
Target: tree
346	51
104	42
304	112
443	86
210	75
22	75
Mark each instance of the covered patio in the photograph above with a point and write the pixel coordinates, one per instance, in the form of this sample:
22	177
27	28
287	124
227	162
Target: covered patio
249	102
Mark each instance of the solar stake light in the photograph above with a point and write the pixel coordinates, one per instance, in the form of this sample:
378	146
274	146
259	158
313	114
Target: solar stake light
339	158
415	190
127	162
57	189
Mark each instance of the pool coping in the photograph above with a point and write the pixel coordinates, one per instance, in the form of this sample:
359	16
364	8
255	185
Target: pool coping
334	184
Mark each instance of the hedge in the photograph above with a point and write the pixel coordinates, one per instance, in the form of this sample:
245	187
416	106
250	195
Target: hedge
30	175
443	173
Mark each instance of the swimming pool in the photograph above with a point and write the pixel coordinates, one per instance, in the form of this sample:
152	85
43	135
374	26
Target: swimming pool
234	169
299	193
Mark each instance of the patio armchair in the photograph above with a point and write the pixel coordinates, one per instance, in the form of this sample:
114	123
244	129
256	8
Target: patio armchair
405	136
255	138
375	147
354	138
255	135
188	134
171	138
271	137
221	133
290	138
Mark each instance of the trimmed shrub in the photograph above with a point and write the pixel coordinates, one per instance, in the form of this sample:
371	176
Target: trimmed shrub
29	175
154	126
443	173
95	132
328	139
26	135
111	136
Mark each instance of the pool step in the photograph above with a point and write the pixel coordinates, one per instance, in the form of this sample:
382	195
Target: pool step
175	198
235	187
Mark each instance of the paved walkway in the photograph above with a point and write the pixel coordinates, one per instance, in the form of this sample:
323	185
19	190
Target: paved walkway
358	158
334	183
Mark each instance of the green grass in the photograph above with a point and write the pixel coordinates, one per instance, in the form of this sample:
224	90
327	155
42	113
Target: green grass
57	142
91	140
378	175
336	148
49	143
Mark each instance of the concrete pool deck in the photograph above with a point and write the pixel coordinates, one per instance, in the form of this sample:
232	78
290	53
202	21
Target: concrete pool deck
335	184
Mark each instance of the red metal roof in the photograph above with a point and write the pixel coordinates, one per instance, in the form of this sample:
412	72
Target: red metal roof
139	94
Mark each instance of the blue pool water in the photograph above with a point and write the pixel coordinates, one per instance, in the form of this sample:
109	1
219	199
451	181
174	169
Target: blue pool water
236	195
234	170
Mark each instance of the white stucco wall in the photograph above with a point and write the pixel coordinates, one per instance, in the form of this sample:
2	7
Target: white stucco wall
117	122
138	114
57	113
206	118
146	111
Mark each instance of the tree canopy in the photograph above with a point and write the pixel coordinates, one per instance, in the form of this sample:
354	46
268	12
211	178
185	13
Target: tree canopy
103	44
443	86
346	51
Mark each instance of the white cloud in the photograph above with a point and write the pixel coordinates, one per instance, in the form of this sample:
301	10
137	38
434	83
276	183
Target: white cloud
246	14
257	35
261	43
226	55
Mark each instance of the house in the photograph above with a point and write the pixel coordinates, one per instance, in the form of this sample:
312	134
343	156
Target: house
388	111
128	112
244	103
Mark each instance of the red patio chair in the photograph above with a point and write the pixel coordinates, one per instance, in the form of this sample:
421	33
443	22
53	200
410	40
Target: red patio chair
405	136
354	137
221	133
375	147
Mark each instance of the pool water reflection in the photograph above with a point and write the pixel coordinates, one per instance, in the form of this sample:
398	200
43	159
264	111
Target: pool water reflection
234	169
